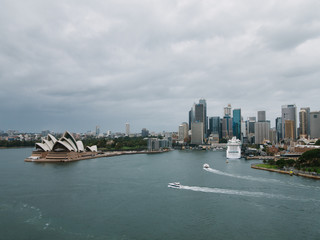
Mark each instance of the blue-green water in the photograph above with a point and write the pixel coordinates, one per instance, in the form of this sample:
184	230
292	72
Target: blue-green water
127	197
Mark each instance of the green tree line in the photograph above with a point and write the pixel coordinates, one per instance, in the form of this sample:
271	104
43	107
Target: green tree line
17	143
123	143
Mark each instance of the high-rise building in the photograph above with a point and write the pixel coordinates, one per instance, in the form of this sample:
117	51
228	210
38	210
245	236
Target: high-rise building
236	123
279	128
315	124
205	117
144	132
183	132
307	109
197	133
288	112
97	130
261	116
262	130
227	110
250	129
303	124
127	129
289	130
227	127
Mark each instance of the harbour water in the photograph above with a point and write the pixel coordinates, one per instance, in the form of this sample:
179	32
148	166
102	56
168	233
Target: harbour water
127	197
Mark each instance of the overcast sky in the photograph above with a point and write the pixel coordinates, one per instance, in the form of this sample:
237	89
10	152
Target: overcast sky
72	64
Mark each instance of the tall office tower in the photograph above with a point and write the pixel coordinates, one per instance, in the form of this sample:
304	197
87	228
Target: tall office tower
315	124
250	129
307	109
261	116
303	124
197	133
261	130
226	127
97	130
279	128
236	123
190	118
127	129
288	112
273	135
183	132
227	110
289	129
205	117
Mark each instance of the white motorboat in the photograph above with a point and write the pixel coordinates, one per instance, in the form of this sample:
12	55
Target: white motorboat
174	185
206	165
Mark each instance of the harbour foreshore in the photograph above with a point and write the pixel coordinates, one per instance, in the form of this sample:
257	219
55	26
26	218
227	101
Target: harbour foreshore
294	172
71	157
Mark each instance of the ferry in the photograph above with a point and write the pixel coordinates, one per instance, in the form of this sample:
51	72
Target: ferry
174	185
234	148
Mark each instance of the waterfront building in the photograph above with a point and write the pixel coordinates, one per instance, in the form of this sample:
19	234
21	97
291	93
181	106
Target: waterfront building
236	123
197	133
183	132
288	112
315	124
127	129
307	109
261	116
261	130
303	124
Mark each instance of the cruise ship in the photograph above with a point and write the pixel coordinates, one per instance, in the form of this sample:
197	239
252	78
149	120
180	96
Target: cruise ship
234	148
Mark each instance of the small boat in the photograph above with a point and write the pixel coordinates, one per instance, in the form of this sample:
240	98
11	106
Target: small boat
206	165
174	185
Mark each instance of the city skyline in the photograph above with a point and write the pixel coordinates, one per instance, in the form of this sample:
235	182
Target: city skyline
74	66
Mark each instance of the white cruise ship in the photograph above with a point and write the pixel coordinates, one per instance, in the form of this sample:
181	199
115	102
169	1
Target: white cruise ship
234	148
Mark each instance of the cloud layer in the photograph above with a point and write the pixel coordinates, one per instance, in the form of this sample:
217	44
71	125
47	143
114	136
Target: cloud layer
77	64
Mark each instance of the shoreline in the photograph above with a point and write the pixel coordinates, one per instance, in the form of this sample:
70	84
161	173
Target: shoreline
286	172
88	156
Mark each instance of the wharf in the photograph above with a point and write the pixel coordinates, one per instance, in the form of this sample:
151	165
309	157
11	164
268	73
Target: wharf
71	156
295	172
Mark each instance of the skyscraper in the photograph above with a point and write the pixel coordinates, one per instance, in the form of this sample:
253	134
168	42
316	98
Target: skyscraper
227	110
236	123
261	116
279	128
197	133
288	112
183	132
127	129
307	109
262	131
205	117
303	124
315	124
97	130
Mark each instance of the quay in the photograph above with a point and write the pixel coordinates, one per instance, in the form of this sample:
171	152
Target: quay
295	172
73	156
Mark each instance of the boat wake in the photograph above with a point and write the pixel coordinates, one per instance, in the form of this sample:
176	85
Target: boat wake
244	193
240	177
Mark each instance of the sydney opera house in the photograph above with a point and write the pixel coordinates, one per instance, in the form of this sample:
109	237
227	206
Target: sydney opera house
65	149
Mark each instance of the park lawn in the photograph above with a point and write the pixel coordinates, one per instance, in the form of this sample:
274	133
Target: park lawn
267	166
